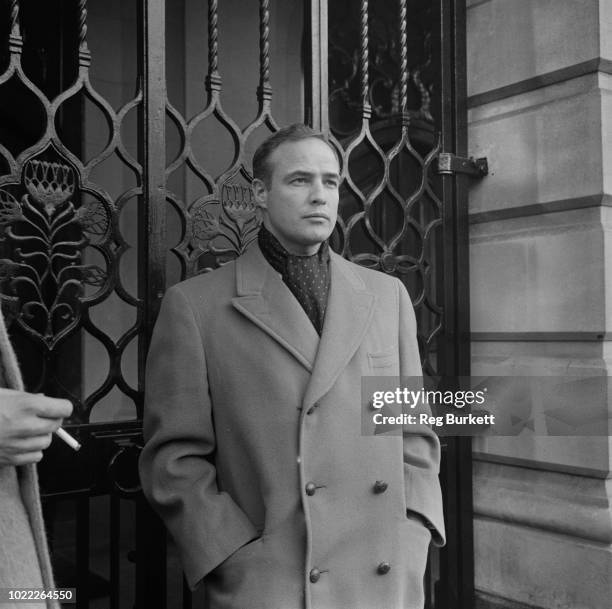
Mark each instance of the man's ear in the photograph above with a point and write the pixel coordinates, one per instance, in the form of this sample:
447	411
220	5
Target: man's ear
260	193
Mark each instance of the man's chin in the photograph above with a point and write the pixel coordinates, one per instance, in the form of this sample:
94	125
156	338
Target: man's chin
317	234
305	242
315	240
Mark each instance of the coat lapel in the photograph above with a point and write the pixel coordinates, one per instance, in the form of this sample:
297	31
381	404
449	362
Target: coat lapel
349	312
263	297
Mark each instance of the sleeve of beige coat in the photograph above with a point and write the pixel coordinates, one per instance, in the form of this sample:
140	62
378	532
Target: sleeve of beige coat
176	467
421	444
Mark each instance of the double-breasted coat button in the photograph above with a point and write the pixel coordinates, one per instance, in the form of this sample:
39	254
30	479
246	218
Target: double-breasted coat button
383	568
311	489
380	486
315	574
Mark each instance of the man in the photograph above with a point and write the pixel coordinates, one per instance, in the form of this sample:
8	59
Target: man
255	457
27	422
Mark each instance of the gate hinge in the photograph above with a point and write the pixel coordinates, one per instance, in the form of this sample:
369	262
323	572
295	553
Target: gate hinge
450	164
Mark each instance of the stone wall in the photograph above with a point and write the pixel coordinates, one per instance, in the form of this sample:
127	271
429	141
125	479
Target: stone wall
540	82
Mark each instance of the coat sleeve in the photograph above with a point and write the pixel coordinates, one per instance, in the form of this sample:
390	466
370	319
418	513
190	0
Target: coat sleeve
177	462
421	444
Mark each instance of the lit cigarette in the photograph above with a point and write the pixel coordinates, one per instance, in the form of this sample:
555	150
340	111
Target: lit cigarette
64	435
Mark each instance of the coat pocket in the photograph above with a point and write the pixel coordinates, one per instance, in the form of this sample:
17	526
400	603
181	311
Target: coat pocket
414	540
246	552
383	359
418	519
424	503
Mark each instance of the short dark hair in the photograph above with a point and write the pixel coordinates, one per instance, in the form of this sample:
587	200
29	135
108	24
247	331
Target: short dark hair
292	133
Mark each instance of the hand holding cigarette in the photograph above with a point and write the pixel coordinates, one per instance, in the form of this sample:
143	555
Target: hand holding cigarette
27	422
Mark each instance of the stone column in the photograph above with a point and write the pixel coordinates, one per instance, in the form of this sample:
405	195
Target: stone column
540	99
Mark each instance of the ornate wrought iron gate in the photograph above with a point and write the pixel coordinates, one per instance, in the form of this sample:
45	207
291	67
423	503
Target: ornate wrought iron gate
92	237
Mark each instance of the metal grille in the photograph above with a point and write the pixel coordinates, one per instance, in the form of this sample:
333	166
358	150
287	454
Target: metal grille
220	225
64	254
62	237
391	213
85	260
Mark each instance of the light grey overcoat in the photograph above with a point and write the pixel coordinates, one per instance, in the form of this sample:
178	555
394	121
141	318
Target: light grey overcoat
24	554
255	458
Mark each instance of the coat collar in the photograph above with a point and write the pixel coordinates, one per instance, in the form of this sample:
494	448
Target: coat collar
263	297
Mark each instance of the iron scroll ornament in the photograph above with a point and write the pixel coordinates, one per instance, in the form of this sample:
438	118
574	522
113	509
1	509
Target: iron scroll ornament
43	235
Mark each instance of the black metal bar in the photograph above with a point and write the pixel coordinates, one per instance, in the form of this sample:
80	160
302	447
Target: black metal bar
82	550
403	65
84	55
457	560
187	599
364	60
213	78
264	43
317	73
465	558
152	236
150	535
114	550
264	91
15	39
447	596
213	38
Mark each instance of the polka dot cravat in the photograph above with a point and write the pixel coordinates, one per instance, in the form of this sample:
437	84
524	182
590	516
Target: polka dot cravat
306	276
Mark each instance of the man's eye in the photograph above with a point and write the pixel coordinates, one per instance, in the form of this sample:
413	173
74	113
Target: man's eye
332	183
298	181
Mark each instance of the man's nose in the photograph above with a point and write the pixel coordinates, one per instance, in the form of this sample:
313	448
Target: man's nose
317	192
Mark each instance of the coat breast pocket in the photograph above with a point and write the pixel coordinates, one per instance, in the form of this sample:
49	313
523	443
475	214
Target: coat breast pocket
384	361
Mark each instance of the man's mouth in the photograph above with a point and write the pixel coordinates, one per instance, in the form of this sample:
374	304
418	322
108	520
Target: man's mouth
319	216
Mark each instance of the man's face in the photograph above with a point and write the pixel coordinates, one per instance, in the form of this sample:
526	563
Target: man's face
300	204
